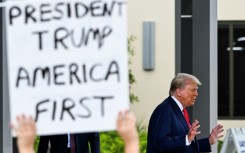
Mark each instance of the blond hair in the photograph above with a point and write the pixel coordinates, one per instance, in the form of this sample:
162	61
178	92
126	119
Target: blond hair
181	80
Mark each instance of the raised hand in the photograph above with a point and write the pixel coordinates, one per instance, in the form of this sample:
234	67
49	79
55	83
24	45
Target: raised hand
193	130
216	134
26	133
126	127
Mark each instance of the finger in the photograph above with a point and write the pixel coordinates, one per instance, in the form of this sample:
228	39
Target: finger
119	119
28	123
126	111
120	115
220	131
196	122
21	119
219	126
32	123
195	127
220	136
131	117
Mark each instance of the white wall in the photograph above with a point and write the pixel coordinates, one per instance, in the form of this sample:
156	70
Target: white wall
231	10
152	86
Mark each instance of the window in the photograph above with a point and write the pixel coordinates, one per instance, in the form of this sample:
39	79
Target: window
231	70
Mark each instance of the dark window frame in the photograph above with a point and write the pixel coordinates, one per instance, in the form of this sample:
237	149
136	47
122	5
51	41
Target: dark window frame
231	60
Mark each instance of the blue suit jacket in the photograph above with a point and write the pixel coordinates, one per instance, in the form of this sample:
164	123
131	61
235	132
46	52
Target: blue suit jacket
168	129
84	140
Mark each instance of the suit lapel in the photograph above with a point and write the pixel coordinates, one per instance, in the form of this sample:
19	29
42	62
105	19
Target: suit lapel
179	113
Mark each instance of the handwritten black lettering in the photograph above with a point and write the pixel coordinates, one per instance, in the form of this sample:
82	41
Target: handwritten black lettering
81	10
59	35
120	5
45	12
67	109
14	12
38	111
54	110
70	107
58	13
73	73
84	73
108	11
40	38
66	38
92	76
29	10
85	107
58	74
22	75
45	74
112	72
68	74
102	102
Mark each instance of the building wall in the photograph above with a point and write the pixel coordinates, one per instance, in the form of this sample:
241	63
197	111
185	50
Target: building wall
231	10
152	86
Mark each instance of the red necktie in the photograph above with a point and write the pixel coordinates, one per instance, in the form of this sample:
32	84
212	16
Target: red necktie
186	117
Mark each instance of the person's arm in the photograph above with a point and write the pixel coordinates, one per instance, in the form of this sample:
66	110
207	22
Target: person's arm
26	133
126	128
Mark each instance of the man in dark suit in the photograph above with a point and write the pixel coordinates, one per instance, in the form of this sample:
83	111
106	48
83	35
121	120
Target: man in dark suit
170	130
84	143
58	144
87	142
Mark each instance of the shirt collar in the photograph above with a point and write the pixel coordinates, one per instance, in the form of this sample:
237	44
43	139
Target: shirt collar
178	103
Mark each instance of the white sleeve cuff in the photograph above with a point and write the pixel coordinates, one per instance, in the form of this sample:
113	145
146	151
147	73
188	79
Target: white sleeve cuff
187	143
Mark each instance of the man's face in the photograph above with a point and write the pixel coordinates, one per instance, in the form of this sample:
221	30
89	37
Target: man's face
188	94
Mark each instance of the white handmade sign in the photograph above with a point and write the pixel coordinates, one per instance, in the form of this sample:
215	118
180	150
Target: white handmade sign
67	63
234	141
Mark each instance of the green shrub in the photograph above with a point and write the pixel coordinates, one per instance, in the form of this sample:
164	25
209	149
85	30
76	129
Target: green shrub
110	142
36	143
220	143
143	141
